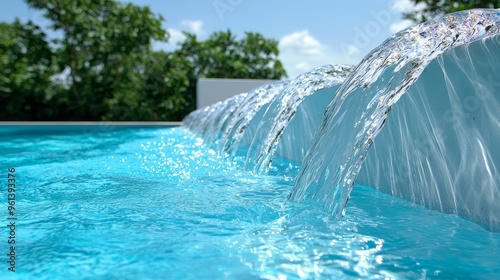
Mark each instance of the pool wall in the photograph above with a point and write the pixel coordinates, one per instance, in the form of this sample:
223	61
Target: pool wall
210	91
439	147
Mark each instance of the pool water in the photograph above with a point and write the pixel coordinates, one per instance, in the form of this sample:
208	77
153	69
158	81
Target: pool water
104	202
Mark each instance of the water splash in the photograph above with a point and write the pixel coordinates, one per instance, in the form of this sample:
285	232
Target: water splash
211	120
244	114
225	123
355	115
360	107
283	108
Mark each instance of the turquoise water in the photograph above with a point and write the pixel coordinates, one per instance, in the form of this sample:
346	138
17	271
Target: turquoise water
103	202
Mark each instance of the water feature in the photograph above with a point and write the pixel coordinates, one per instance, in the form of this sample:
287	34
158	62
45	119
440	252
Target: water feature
283	108
229	119
361	105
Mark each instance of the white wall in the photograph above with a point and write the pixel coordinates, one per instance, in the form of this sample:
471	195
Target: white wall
211	91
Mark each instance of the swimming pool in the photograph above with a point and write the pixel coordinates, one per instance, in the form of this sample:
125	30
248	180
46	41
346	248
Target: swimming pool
110	202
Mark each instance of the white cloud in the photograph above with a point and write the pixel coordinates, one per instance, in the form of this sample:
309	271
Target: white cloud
300	52
400	25
195	26
352	50
176	36
302	42
404	6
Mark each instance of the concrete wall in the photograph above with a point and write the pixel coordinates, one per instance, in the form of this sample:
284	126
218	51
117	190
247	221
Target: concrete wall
211	91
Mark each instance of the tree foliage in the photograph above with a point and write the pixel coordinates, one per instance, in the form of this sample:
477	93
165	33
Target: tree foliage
223	56
100	64
433	8
26	65
169	86
103	43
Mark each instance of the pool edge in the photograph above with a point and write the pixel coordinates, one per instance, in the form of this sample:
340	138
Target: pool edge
87	123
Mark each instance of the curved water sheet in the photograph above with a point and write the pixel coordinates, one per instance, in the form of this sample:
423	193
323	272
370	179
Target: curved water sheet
211	120
359	110
197	119
440	143
233	133
283	108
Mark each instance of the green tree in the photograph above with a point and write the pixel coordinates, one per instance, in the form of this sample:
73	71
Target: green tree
26	67
169	86
103	45
100	65
171	78
435	8
223	56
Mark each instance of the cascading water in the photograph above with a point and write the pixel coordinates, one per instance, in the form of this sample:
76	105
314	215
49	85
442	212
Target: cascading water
225	123
211	120
355	115
359	109
243	115
283	108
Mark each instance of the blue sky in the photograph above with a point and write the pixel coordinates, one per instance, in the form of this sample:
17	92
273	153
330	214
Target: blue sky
310	33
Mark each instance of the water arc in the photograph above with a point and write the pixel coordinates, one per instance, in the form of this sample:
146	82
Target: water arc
440	143
282	110
361	106
259	117
409	86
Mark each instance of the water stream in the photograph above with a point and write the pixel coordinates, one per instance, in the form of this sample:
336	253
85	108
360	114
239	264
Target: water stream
354	117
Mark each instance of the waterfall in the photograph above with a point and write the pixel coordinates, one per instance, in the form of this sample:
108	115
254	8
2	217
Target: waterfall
283	108
361	101
238	123
360	107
